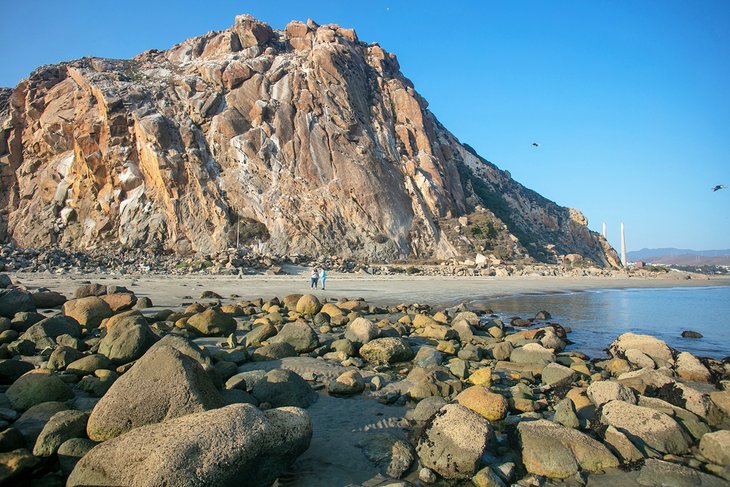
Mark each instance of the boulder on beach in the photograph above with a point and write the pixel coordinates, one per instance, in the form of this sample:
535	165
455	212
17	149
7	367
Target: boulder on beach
308	305
12	369
361	330
211	322
387	350
71	451
281	387
689	367
716	447
555	375
651	346
14	301
299	335
36	387
489	405
259	334
555	451
44	333
163	384
62	426
48	299
658	473
218	447
454	441
31	423
127	340
532	353
603	391
647	428
348	383
89	311
120	301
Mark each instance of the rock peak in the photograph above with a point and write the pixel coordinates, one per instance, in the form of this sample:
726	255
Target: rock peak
303	140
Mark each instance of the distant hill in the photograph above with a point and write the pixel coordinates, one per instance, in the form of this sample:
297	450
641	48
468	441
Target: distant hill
672	256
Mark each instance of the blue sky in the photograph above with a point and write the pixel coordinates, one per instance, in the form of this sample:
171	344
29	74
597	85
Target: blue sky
628	100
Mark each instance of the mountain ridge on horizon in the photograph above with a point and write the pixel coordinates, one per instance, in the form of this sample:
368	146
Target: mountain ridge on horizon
312	139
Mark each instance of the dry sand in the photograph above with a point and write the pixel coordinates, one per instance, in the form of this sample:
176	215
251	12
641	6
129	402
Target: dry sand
170	291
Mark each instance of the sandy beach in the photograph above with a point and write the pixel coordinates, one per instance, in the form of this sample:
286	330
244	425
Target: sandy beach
169	291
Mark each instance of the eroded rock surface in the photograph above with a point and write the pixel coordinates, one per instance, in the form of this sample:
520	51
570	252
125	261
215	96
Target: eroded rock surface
312	139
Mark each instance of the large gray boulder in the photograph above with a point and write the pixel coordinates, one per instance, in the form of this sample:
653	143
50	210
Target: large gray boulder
299	335
716	447
556	375
651	346
31	423
602	391
211	322
12	369
453	443
658	473
647	428
35	387
555	451
52	327
387	350
186	347
281	387
361	330
62	426
689	367
259	334
127	340
163	384
234	445
532	353
14	301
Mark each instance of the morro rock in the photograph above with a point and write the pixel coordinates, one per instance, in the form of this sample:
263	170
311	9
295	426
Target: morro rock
310	138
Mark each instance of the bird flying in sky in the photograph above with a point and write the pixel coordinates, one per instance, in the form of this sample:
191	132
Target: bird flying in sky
535	144
718	187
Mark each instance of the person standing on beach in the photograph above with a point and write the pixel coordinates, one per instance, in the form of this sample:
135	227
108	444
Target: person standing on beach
315	277
322	276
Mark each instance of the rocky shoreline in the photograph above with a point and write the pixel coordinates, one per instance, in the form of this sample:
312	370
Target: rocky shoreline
240	262
99	387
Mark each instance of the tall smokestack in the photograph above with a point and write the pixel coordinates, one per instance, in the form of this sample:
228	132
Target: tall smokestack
623	246
604	229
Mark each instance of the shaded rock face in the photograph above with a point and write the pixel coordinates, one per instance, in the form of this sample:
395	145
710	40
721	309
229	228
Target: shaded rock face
313	140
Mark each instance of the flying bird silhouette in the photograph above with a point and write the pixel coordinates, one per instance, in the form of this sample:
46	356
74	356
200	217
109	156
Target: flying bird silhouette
535	144
719	187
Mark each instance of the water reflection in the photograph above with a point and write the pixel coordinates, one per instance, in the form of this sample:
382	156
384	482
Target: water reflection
598	317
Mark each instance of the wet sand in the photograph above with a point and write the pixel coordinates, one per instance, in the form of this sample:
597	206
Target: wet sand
169	291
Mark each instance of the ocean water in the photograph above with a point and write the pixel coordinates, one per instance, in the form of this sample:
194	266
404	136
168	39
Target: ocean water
597	317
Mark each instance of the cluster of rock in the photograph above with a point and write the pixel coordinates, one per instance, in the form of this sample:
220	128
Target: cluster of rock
109	392
301	141
248	262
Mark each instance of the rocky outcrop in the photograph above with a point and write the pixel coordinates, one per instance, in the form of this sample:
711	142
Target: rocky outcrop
217	447
311	140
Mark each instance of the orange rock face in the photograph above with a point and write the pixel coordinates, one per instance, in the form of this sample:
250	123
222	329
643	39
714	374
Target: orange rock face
311	139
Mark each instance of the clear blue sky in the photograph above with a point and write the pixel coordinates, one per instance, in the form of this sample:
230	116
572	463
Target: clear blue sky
630	101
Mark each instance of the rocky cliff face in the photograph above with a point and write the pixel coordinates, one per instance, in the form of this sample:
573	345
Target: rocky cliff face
304	140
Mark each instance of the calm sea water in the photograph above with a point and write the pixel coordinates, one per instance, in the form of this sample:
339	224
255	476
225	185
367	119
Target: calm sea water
598	317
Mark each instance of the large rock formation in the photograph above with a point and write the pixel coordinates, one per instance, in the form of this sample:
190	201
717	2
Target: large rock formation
313	140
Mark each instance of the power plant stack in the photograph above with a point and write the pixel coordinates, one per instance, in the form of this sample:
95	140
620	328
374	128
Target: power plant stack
623	246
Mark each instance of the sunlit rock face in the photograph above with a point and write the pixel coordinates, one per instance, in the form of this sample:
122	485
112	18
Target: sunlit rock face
309	138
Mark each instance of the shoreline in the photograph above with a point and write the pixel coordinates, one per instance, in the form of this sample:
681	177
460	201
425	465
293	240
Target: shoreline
379	290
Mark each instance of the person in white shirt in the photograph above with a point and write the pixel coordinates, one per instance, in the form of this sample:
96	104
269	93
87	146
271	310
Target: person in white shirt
315	277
